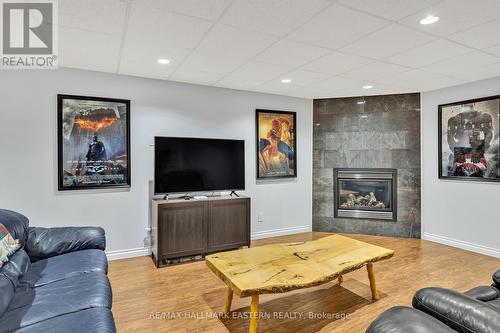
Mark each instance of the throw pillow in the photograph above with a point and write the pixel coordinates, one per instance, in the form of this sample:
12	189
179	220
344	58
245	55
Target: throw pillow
8	245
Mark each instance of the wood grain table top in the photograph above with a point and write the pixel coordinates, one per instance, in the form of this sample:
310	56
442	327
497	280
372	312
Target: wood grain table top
278	268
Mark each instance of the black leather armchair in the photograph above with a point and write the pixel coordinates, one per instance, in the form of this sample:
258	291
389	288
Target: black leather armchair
438	310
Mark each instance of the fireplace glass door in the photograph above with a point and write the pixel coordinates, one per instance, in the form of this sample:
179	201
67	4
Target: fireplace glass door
365	194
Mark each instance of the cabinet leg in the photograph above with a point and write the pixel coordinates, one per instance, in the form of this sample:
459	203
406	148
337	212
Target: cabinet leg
229	300
371	277
254	314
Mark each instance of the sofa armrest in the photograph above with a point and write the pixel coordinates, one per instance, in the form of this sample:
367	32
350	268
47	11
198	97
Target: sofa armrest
484	293
402	319
49	242
461	312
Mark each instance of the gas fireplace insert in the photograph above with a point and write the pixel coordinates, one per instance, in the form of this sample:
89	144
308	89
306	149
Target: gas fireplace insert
365	193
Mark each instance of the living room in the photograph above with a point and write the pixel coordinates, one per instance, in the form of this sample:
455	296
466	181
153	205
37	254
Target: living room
250	166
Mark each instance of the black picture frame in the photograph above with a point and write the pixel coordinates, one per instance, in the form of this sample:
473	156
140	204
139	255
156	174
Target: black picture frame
495	141
292	114
60	142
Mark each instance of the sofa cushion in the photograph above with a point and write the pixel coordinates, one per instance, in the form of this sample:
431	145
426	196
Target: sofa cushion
33	305
10	275
95	320
8	245
16	224
64	266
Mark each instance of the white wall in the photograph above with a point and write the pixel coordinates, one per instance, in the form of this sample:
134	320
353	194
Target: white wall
457	213
28	166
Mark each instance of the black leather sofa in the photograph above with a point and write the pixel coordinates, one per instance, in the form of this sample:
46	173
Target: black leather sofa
56	282
439	310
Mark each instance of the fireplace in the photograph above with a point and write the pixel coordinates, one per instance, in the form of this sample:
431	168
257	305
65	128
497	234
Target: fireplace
365	193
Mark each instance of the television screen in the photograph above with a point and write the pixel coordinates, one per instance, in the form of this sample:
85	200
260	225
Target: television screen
190	165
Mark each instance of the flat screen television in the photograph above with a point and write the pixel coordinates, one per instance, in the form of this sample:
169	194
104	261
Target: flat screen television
192	165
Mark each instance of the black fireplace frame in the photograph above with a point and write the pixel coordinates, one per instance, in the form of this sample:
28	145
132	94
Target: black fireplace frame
371	174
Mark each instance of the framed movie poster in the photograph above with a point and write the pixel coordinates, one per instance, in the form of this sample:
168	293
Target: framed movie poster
468	140
93	142
276	144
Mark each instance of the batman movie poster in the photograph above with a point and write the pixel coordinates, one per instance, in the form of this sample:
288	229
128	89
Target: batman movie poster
276	144
94	139
469	140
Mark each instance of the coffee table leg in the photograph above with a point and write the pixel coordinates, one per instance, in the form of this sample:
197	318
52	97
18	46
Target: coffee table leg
371	277
254	314
229	300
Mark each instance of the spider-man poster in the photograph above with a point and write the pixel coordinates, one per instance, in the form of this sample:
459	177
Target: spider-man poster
94	135
276	144
469	135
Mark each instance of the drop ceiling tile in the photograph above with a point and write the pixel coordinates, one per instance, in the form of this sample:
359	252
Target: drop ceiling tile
388	41
272	17
342	86
188	75
375	70
313	93
454	66
205	9
389	9
482	36
235	82
93	15
261	71
211	63
232	42
336	63
77	49
145	69
276	87
337	26
148	53
480	72
429	53
419	80
290	53
455	16
165	28
495	50
304	78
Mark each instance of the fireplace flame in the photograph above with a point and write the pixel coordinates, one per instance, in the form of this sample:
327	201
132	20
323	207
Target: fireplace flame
95	125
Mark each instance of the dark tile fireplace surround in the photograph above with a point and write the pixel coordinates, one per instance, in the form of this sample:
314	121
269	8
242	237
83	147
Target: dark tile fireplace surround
354	140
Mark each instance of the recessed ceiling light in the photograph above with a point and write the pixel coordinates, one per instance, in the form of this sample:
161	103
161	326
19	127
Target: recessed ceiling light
286	80
360	102
429	20
364	116
163	61
368	86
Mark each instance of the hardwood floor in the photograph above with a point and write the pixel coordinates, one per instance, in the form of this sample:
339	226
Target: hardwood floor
184	298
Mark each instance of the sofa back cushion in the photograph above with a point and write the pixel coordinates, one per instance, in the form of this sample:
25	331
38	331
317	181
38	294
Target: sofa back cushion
16	224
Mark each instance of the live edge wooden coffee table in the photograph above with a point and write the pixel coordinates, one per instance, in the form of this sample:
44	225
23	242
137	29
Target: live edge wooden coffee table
278	268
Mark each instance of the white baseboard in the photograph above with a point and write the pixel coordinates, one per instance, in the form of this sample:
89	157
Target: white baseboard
128	253
280	232
489	251
143	251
